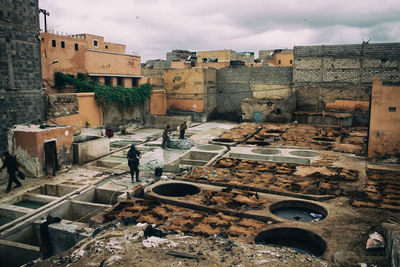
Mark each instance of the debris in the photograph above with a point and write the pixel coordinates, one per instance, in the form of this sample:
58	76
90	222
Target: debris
316	215
181	143
154	242
375	241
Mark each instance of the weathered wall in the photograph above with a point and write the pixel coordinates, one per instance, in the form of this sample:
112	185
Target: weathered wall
110	63
187	89
114	117
323	74
62	105
222	55
237	83
384	128
28	146
20	73
158	102
88	110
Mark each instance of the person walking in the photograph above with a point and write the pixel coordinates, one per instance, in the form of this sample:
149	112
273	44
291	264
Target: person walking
182	130
165	137
133	162
11	163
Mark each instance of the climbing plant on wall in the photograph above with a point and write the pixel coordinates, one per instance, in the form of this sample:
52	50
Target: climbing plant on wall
123	97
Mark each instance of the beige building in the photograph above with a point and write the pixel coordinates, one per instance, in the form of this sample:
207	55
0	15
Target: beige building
224	56
89	54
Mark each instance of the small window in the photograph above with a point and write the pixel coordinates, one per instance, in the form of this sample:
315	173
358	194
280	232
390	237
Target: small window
53	43
291	61
42	39
95	42
278	111
107	80
119	81
76	47
204	59
392	109
106	46
62	44
279	62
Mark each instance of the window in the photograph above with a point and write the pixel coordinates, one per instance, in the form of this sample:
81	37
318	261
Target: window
291	61
106	46
107	80
76	47
53	43
135	82
62	44
392	109
279	62
278	111
95	42
119	81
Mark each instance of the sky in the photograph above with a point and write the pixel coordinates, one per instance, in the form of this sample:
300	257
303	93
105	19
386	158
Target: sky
150	28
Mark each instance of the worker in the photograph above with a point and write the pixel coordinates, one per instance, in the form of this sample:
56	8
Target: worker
182	130
11	163
165	137
133	162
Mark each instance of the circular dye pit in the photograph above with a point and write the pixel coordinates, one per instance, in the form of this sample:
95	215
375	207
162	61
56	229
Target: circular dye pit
304	153
266	151
176	189
209	147
325	139
302	211
293	237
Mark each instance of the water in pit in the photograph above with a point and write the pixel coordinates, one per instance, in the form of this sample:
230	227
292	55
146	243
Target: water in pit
30	204
5	220
295	214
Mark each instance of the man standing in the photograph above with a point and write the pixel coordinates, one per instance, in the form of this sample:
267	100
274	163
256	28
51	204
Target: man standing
165	137
182	130
11	163
133	162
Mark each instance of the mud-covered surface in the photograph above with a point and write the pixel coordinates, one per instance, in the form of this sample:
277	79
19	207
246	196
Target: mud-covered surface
335	138
128	246
382	190
273	176
172	218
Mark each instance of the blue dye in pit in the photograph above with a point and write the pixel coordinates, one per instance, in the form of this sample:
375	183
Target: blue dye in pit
30	204
5	220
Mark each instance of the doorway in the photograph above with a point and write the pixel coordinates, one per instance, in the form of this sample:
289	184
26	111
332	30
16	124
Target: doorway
50	157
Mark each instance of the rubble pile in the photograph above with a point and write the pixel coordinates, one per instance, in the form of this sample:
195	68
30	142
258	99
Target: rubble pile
382	190
273	176
173	218
181	143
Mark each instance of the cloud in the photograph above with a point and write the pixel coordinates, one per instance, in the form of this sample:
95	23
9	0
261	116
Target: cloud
154	27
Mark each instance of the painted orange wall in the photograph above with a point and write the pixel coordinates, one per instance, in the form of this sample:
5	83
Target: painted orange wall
348	105
284	58
158	102
384	132
88	111
101	62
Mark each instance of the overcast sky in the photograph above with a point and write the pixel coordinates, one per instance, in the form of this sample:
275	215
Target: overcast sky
150	28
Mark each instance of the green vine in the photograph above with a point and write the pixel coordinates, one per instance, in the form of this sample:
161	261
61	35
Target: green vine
123	97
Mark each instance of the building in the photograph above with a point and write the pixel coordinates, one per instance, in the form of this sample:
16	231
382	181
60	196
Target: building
225	56
89	54
277	57
21	98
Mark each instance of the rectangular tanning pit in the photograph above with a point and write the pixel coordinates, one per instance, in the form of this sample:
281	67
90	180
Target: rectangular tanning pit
28	235
53	190
101	196
122	143
31	201
87	148
77	211
196	158
9	215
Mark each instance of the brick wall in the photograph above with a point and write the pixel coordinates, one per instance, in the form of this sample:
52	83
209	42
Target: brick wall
20	72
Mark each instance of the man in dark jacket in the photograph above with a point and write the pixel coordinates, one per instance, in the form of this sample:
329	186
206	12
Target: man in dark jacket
165	137
11	163
182	130
133	162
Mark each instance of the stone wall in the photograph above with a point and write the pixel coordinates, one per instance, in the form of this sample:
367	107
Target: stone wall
114	117
20	72
237	83
323	74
